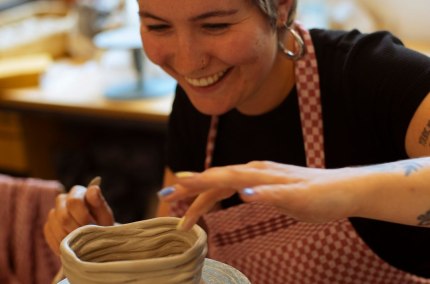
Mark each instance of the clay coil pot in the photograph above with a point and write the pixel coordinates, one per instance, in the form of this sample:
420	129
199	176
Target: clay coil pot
149	251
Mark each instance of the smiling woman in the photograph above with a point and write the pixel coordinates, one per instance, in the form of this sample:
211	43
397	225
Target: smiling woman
194	47
269	131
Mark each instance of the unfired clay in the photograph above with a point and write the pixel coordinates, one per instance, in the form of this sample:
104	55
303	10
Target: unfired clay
149	251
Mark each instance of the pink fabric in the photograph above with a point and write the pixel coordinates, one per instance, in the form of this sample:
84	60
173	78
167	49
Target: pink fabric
7	190
270	247
308	88
25	256
211	140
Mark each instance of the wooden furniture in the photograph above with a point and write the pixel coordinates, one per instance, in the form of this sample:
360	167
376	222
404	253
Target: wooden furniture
12	153
30	123
93	105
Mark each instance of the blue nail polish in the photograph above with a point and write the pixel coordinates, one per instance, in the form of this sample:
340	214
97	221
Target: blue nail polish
166	191
248	191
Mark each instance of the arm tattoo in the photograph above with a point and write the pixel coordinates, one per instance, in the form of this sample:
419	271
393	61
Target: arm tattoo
408	166
411	167
424	219
425	135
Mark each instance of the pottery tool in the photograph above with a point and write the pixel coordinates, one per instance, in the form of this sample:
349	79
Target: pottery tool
95	181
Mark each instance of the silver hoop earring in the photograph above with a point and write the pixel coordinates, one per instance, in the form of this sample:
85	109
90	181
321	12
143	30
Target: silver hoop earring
300	44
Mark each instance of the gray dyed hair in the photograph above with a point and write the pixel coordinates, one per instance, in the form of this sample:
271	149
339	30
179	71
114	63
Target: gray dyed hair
269	8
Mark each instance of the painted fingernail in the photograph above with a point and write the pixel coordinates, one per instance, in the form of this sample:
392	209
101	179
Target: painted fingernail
184	174
248	191
166	191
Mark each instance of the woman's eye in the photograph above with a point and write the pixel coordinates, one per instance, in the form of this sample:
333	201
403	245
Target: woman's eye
157	28
216	27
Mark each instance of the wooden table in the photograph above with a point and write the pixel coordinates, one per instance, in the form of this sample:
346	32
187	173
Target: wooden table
94	105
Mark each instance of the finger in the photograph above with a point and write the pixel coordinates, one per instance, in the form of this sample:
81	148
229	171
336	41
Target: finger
77	206
202	205
99	208
273	194
238	177
66	221
279	195
217	177
50	239
248	194
54	232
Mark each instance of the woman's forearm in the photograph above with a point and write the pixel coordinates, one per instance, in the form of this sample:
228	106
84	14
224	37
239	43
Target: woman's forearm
397	192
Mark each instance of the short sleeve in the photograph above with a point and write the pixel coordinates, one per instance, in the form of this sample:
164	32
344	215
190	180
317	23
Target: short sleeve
389	80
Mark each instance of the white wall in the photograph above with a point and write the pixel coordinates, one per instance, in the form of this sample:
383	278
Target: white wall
408	19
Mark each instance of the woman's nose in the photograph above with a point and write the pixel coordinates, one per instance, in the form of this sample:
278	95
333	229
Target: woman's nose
190	57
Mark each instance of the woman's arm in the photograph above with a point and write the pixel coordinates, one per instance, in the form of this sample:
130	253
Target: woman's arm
396	192
417	141
401	192
406	201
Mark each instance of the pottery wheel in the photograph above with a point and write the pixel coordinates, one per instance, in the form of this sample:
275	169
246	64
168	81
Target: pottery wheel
215	272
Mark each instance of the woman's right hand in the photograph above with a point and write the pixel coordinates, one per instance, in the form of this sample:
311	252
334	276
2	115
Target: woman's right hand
79	207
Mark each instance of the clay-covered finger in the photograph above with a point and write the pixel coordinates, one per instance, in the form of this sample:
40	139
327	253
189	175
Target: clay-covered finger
202	205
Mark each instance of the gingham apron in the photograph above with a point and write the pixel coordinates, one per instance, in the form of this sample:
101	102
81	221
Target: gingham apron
270	247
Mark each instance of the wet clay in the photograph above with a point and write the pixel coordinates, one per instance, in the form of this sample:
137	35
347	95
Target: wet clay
149	251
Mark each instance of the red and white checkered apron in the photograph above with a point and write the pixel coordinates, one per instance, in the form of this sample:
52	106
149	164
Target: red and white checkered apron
270	247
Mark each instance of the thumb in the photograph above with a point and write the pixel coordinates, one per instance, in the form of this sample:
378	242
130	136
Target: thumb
99	208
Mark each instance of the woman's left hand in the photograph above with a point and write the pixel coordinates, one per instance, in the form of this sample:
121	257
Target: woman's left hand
308	194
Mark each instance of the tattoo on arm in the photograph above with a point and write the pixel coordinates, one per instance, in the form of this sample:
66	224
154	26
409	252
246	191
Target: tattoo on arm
408	166
424	219
411	167
425	135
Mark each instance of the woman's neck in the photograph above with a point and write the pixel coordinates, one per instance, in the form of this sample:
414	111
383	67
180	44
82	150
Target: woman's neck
278	85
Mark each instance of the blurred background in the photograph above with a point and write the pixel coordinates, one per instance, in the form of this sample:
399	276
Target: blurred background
78	97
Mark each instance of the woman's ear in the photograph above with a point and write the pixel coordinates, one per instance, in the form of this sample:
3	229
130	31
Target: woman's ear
284	7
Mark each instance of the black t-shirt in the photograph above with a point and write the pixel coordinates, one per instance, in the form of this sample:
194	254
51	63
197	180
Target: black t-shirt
370	88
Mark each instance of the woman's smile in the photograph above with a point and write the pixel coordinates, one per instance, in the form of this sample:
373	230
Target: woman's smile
235	40
207	80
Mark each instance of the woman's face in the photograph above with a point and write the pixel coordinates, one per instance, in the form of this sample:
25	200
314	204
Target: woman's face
221	52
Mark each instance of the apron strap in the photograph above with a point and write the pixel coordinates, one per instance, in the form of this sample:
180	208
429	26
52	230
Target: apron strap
210	145
309	96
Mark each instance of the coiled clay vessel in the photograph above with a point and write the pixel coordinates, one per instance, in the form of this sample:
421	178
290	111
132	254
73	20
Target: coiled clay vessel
149	251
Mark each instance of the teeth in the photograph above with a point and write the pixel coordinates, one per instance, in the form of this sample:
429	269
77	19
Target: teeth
206	81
